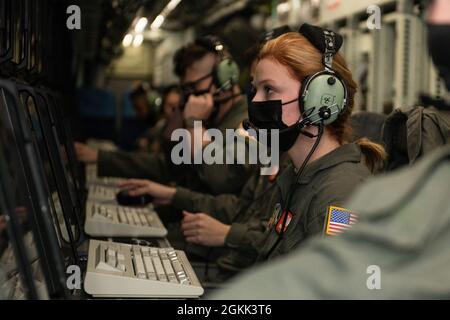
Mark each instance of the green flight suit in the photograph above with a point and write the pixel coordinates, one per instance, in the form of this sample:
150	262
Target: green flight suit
327	181
398	249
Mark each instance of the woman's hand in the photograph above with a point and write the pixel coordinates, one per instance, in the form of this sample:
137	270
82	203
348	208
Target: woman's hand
200	228
162	194
86	154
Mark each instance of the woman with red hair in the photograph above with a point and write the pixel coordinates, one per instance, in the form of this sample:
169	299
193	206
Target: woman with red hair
306	91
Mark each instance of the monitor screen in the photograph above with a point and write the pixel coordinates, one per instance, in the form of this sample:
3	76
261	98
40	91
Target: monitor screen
27	182
64	156
55	179
21	274
21	267
62	125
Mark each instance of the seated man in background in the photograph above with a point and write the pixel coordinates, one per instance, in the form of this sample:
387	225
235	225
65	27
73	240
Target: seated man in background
217	105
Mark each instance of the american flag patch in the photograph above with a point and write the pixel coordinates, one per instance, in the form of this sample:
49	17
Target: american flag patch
338	220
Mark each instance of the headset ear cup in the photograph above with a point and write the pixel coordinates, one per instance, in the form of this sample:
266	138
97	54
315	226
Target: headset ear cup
226	73
323	97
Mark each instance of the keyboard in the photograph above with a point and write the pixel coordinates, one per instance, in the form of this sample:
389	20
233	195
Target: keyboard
102	193
105	181
99	144
92	178
111	220
123	270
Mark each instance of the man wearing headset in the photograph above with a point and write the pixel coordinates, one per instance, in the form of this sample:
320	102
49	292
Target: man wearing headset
398	249
211	95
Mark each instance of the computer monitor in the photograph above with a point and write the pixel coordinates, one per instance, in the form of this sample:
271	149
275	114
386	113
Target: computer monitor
27	201
67	223
51	161
61	121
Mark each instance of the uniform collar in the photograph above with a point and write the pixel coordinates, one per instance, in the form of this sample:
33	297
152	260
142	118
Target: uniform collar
349	152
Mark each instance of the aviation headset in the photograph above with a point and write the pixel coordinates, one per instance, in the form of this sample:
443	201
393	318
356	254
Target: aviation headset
323	97
226	72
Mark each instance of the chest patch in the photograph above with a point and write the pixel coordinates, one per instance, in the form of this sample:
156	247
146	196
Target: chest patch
281	221
275	215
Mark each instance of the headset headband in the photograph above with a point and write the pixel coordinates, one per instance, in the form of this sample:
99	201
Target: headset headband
326	41
211	43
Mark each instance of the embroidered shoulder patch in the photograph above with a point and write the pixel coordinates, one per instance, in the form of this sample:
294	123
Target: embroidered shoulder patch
281	222
338	220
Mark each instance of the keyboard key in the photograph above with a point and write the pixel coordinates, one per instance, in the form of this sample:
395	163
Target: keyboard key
138	263
122	216
177	267
129	217
169	270
148	264
144	221
111	257
137	221
159	269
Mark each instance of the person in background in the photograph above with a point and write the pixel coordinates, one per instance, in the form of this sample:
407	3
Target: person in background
157	138
142	107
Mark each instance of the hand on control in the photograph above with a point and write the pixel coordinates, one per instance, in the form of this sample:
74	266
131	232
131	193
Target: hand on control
200	228
86	154
162	194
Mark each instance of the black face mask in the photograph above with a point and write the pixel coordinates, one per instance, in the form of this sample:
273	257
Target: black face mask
439	47
268	115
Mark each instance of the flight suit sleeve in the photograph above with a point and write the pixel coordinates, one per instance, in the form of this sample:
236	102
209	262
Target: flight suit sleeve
227	177
223	207
224	178
247	237
133	165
